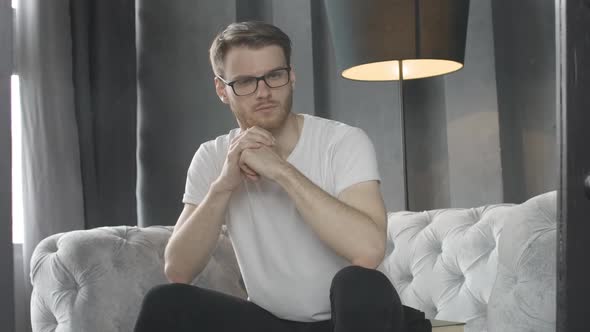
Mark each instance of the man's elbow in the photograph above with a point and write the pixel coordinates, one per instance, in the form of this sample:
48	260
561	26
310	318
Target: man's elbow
371	259
174	276
367	262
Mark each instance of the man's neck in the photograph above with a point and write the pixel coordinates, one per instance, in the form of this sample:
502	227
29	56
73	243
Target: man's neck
288	136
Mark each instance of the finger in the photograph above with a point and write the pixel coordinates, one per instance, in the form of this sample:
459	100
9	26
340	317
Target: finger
252	138
247	169
260	130
252	177
249	176
266	135
247	144
237	138
244	167
236	150
264	139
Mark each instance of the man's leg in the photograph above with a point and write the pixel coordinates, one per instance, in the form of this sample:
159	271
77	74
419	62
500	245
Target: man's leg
364	300
186	308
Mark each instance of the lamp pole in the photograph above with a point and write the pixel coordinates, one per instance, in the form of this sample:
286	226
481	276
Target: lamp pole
403	134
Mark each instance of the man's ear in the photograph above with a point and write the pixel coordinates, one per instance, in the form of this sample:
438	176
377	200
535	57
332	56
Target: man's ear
293	78
220	90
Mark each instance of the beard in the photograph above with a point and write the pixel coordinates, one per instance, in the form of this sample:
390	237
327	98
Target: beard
270	121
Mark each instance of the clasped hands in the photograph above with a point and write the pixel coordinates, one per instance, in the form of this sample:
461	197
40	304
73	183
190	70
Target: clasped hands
259	154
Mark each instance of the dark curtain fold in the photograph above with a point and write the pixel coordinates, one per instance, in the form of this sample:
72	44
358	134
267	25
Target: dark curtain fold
105	99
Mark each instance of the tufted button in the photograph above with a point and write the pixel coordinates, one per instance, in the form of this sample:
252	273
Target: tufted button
49	316
436	247
461	278
439	249
53	322
75	286
434	311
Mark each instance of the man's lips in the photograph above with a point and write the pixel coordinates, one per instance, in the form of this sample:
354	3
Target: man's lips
265	107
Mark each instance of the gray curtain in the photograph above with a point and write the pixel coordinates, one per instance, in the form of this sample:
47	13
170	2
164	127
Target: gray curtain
51	162
76	60
52	181
6	281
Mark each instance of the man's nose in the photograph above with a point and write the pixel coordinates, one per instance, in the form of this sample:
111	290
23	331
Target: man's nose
263	90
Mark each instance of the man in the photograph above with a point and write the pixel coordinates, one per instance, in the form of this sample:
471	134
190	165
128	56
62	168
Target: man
301	200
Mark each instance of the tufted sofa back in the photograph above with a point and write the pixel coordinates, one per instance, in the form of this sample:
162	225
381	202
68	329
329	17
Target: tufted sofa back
491	266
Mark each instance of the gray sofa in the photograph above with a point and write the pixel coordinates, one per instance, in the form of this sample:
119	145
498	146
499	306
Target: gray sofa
491	266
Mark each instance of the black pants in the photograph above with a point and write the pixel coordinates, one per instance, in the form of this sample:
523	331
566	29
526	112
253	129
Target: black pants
361	299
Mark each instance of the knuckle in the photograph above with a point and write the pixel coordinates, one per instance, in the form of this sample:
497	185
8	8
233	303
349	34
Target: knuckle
242	144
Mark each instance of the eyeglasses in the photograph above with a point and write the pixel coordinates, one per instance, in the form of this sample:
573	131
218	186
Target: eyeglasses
248	85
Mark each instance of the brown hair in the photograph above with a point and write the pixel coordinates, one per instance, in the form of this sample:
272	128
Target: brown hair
251	34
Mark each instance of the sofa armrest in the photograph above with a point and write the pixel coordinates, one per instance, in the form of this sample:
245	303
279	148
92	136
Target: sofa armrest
95	280
523	298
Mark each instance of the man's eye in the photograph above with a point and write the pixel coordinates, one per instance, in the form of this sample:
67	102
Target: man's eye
273	75
246	81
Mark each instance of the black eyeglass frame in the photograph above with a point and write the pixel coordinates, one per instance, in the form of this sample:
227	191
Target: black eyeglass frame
258	79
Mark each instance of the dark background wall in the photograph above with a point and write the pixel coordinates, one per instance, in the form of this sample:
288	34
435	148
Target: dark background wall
525	70
472	117
178	108
427	144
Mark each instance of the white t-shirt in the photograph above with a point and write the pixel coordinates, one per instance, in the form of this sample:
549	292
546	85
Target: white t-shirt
286	268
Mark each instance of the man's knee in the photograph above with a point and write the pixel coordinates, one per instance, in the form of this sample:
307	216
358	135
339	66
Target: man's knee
354	276
165	296
359	283
364	299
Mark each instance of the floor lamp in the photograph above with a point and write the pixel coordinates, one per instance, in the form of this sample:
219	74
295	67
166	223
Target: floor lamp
397	40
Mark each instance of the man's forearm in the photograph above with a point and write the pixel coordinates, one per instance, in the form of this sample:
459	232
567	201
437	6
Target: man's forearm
348	231
191	244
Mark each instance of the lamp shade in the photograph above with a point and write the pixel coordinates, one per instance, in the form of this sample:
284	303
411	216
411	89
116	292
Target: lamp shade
371	36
